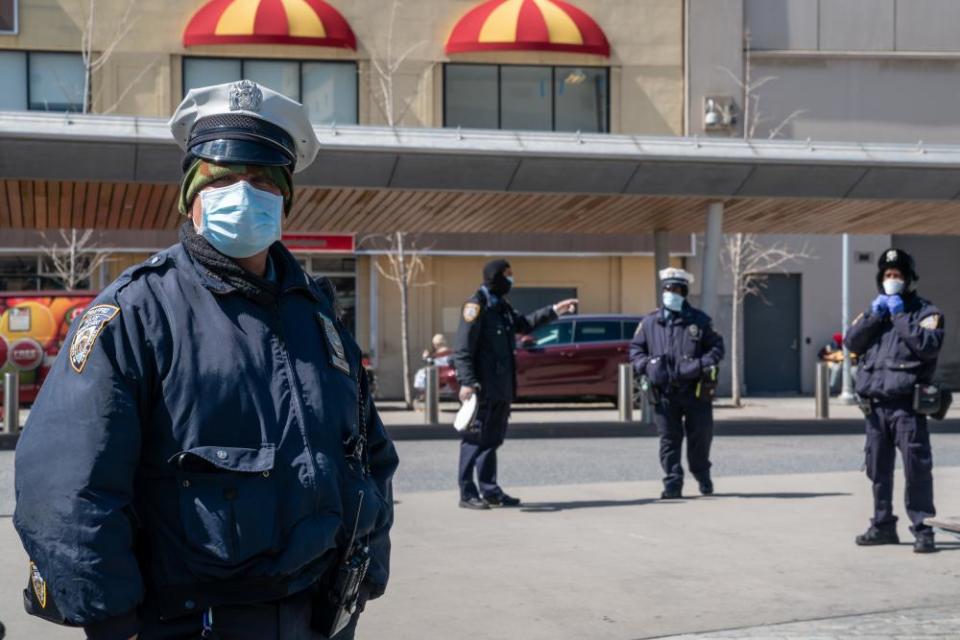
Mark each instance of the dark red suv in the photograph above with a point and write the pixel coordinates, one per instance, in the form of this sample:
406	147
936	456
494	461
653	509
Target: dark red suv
573	357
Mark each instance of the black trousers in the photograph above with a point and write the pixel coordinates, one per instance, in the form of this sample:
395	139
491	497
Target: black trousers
286	619
892	426
676	416
478	450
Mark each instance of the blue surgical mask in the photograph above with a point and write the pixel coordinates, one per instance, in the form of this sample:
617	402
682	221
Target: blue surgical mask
240	220
893	287
672	301
510	280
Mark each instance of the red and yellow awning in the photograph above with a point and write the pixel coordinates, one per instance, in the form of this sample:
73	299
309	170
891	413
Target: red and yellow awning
528	25
309	22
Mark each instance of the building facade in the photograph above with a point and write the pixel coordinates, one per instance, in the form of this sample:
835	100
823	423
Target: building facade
602	66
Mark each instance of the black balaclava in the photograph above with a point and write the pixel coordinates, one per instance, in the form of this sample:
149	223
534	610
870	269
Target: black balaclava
493	278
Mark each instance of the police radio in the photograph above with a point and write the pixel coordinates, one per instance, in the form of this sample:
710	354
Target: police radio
339	601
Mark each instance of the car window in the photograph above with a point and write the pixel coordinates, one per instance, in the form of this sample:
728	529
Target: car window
551	334
597	330
630	328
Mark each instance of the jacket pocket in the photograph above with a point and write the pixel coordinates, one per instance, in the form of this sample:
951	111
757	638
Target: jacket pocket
899	378
228	501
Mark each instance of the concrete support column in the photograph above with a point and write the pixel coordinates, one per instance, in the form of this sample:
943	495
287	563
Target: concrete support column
661	259
712	241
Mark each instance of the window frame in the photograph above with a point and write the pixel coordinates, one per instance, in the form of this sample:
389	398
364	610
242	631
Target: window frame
553	90
16	21
578	323
299	62
28	55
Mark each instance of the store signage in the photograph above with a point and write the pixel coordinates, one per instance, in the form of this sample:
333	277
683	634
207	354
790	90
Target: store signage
26	354
320	242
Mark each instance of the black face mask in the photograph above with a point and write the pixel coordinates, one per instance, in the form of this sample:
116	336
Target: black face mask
499	286
493	278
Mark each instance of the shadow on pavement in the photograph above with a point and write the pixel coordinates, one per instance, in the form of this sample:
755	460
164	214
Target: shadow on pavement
551	507
781	495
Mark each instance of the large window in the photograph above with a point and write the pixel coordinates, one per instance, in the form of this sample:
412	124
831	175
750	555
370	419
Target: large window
327	89
35	273
41	81
532	98
8	16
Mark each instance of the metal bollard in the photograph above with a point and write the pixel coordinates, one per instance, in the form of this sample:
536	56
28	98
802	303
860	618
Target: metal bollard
823	390
625	392
11	402
431	397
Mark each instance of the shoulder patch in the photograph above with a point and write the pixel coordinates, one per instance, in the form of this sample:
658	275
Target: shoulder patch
39	585
931	322
471	311
91	324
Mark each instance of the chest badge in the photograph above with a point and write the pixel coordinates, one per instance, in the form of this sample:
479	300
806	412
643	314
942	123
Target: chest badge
338	355
92	323
694	331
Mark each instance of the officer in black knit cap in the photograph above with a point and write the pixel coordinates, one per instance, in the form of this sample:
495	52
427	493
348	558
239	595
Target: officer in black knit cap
484	359
898	339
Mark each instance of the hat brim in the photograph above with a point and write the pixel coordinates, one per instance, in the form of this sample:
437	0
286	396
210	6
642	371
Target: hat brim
238	152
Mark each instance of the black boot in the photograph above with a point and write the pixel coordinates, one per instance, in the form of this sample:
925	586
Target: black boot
924	543
502	500
875	536
672	494
473	503
706	487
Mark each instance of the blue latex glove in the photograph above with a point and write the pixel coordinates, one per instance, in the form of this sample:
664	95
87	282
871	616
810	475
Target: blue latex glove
879	305
895	304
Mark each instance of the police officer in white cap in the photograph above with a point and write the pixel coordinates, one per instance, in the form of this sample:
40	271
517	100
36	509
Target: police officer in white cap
220	468
677	351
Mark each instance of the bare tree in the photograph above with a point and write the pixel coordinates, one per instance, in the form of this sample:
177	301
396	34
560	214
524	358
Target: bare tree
74	257
93	60
749	263
404	268
386	65
752	115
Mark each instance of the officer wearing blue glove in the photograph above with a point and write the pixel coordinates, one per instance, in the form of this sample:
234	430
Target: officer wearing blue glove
678	351
899	340
202	454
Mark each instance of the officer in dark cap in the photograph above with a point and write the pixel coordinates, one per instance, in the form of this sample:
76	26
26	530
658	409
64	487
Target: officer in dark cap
676	349
205	460
899	340
485	363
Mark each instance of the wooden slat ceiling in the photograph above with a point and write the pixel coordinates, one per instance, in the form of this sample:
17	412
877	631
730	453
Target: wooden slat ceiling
37	204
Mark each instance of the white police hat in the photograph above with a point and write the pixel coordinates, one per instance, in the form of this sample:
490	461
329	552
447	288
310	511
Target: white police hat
672	275
244	123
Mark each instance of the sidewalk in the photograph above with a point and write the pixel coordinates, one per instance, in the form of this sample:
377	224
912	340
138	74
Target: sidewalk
610	562
758	416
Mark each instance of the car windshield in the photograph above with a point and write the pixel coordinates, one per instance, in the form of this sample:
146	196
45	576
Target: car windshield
552	334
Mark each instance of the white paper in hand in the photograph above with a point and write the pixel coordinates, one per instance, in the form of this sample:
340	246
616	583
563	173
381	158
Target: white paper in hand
466	414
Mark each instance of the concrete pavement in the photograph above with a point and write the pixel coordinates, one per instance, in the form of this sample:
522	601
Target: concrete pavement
606	561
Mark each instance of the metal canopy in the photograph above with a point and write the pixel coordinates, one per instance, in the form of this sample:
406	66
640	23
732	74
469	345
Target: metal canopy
644	183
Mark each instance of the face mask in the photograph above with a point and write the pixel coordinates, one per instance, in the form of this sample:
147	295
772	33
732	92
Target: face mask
672	301
510	280
501	285
240	220
893	287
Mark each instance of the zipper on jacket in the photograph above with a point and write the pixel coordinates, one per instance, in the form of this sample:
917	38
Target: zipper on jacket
295	392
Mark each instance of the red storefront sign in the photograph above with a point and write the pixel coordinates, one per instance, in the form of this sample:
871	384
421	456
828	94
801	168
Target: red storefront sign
320	242
26	354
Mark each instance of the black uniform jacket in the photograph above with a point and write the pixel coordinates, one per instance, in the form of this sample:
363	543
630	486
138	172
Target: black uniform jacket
486	342
896	351
672	349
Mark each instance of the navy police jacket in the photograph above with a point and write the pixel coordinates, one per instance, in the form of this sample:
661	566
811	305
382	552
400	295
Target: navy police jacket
486	342
673	349
896	352
200	448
